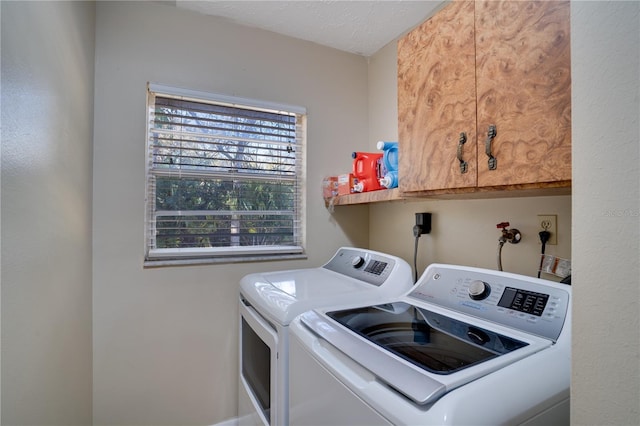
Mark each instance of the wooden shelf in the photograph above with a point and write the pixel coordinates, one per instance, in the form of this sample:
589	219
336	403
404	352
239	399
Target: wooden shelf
530	190
365	197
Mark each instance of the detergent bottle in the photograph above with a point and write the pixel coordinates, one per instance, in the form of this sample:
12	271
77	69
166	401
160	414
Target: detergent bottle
389	174
367	169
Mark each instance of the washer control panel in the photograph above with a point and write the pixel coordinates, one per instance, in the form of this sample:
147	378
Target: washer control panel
364	265
529	304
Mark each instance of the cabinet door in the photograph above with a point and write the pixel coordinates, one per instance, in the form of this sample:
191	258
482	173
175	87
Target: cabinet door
437	101
524	89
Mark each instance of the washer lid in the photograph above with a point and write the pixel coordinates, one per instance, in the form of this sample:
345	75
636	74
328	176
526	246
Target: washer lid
422	353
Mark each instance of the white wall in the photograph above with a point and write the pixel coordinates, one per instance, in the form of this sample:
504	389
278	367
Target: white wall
464	231
606	203
47	118
165	339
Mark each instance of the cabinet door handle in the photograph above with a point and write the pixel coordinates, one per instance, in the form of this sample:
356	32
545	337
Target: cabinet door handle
487	147
461	142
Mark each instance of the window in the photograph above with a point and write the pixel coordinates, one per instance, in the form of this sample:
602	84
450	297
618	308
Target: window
224	177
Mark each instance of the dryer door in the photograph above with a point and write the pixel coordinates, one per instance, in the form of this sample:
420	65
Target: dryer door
258	368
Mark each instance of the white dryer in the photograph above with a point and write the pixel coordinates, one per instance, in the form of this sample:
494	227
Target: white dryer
465	346
270	301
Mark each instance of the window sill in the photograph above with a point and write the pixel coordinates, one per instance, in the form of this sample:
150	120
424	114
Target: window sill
157	263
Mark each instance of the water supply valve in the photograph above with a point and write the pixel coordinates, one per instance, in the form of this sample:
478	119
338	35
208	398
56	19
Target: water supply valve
508	235
512	236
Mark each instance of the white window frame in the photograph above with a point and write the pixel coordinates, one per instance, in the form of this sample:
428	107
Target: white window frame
155	256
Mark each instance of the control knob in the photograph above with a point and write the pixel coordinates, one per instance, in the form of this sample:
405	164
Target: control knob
357	261
479	290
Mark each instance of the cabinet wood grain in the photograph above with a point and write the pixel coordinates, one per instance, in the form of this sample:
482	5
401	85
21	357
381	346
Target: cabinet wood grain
437	101
472	65
523	73
482	63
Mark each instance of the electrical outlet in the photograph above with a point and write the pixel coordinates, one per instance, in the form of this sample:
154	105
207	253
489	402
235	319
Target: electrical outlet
549	222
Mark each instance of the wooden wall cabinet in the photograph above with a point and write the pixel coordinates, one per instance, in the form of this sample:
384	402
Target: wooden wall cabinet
477	64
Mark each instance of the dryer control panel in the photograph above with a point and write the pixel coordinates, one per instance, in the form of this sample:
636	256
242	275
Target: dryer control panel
529	304
364	265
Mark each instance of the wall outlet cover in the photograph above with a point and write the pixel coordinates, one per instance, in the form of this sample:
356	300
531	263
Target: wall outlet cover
549	222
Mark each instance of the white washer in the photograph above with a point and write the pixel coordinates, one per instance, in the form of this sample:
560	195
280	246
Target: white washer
465	346
270	301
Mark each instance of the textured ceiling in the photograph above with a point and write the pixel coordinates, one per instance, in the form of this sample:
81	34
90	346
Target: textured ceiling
360	27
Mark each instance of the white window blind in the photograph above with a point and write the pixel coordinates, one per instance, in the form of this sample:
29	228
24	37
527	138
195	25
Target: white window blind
224	177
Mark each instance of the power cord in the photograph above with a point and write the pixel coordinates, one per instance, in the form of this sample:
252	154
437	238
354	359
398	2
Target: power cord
417	231
544	237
